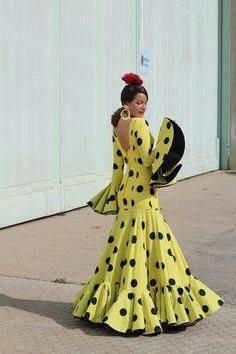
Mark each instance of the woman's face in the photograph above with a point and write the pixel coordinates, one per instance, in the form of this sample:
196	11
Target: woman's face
137	107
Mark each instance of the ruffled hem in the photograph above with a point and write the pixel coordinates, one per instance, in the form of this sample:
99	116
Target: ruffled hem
152	311
105	202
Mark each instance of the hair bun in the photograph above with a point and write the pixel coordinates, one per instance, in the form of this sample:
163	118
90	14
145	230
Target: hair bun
132	79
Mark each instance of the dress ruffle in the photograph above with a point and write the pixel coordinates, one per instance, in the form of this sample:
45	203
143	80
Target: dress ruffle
150	311
105	202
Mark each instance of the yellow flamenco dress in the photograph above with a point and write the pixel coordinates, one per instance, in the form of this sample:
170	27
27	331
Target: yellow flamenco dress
142	282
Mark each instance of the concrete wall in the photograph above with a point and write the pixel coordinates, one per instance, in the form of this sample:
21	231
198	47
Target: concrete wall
61	65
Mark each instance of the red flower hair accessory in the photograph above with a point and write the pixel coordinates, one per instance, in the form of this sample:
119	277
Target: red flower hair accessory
132	79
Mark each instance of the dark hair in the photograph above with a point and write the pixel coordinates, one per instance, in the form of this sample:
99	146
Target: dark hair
127	95
130	91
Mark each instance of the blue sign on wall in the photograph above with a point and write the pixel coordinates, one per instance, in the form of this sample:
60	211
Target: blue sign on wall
144	61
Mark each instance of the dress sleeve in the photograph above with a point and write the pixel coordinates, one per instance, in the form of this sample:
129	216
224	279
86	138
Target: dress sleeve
169	150
105	201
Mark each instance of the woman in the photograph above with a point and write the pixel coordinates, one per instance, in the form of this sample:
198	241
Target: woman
142	283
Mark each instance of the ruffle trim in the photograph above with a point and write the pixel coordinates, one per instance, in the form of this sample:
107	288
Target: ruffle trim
105	202
151	311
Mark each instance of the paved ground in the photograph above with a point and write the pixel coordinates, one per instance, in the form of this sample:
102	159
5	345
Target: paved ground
35	312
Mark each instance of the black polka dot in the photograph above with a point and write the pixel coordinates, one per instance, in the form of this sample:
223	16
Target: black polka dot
131	173
127	242
180	291
140	301
179	300
115	249
143	225
123	312
130	296
168	237
140	188
112	197
152	235
147	253
187	310
133	222
162	265
146	122
122	263
125	201
152	191
150	204
122	224
110	239
119	152
135	317
220	302
134	239
169	252
205	308
192	299
153	282
139	141
171	281
157	155
154	310
187	288
108	260
166	140
115	166
137	174
126	160
86	315
157	329
132	262
168	125
176	317
202	292
187	271
160	235
110	268
157	265
140	161
121	187
94	300
132	202
97	269
134	283
168	287
96	286
136	134
123	280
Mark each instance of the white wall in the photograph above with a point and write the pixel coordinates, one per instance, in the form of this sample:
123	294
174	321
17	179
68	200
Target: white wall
61	65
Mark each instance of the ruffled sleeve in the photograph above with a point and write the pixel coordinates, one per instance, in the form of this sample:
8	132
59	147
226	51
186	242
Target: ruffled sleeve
168	152
105	202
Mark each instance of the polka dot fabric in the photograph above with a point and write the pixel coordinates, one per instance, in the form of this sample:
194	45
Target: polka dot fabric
142	281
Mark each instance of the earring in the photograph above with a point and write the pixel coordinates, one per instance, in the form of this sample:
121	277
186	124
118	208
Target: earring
125	113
